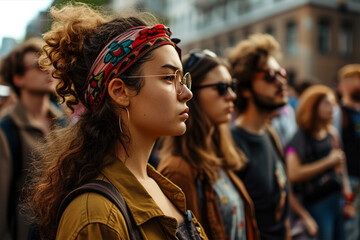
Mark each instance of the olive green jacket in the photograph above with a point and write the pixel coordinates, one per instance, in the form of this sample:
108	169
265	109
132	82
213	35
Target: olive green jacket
92	216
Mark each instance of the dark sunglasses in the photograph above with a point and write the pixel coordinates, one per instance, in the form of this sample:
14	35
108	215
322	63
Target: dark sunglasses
222	87
270	75
196	57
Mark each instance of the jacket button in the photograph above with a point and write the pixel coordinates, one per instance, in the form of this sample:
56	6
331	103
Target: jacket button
198	229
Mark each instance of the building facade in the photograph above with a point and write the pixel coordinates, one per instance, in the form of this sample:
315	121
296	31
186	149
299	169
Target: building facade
317	36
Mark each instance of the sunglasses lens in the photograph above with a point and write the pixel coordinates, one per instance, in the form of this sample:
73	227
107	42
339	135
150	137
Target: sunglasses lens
222	89
270	76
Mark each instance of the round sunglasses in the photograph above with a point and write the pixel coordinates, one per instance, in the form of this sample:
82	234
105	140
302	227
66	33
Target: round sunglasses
270	75
222	87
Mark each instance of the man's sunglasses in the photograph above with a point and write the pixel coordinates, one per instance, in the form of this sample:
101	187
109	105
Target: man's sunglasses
222	87
270	75
195	58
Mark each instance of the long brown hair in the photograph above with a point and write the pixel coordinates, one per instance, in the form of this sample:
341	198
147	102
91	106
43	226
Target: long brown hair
307	110
72	156
204	146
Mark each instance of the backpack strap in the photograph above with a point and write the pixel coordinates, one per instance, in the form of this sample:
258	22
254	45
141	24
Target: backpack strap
12	134
276	141
111	193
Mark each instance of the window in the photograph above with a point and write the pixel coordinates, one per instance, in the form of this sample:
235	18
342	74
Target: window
324	37
231	40
270	30
346	39
291	38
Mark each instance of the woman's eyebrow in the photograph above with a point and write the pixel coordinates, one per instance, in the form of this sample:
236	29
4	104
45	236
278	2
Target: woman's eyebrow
172	67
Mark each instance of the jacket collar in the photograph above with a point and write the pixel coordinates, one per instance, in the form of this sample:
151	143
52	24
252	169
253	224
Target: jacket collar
140	203
20	115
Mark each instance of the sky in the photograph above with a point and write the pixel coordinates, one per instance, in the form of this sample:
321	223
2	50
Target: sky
16	14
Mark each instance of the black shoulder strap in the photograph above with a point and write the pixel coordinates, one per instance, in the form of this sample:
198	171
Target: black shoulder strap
110	192
12	134
276	142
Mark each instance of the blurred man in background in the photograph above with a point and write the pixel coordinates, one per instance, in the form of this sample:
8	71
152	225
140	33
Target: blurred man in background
27	122
261	89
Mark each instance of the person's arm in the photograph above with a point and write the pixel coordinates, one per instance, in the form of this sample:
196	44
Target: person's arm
298	172
298	209
5	178
98	231
348	210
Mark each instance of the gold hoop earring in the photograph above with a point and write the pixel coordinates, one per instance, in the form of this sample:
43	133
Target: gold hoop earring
128	115
120	124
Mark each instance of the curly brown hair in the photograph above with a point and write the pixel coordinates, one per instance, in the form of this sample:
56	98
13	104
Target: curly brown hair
74	155
244	59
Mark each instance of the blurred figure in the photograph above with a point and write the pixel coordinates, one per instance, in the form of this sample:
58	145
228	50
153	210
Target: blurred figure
24	125
349	88
314	161
284	123
261	89
201	162
7	99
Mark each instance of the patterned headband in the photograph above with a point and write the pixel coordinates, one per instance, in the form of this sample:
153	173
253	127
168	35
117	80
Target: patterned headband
121	53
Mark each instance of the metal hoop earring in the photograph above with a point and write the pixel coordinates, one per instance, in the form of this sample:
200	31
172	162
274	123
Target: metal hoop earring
120	124
128	115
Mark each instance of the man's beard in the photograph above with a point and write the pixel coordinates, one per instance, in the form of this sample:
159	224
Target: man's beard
355	95
265	103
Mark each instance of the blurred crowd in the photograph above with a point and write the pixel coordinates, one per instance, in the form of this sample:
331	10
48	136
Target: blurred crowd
259	159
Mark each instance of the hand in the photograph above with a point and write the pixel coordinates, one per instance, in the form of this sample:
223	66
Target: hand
349	211
336	157
311	225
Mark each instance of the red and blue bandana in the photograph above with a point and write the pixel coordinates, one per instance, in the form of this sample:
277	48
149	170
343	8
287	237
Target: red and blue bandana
121	53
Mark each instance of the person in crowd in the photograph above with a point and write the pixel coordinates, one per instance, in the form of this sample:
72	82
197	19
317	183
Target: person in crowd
315	161
127	74
201	162
284	124
349	88
261	89
7	98
23	125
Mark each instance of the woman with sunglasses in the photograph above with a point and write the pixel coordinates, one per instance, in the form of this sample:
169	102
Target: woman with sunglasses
128	76
201	162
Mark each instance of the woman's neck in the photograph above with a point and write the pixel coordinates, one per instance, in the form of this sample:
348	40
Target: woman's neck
321	133
136	155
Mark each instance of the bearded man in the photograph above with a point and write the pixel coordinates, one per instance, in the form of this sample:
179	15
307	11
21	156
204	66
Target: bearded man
261	89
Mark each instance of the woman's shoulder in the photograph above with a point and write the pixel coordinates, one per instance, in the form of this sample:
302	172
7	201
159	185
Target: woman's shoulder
88	213
174	165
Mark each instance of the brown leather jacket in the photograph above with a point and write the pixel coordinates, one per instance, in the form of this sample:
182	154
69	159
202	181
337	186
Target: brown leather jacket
186	177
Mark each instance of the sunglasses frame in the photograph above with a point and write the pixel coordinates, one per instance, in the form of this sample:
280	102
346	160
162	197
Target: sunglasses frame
221	87
270	75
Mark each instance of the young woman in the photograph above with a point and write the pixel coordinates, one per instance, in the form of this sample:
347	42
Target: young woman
129	78
201	161
315	161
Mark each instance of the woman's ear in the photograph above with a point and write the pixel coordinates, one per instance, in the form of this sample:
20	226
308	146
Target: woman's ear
118	92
